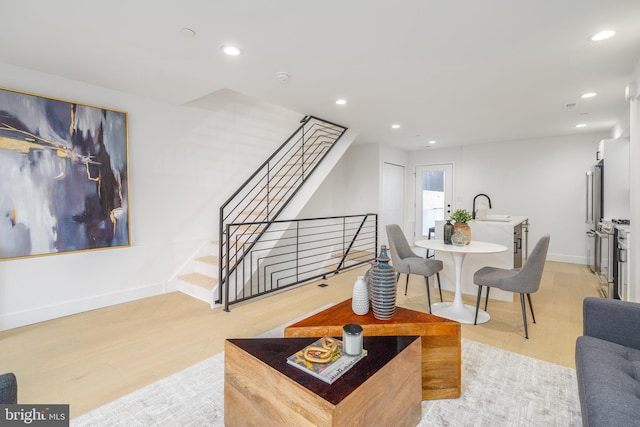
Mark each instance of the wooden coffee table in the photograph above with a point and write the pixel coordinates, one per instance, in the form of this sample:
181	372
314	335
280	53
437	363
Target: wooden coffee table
382	389
441	352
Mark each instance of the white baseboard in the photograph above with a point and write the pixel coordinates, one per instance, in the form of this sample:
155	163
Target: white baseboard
571	259
44	313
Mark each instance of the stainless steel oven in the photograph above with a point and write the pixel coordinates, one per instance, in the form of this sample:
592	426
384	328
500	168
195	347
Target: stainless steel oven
605	258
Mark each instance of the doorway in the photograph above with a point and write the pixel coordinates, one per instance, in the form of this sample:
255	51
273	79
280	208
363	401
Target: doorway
392	208
434	195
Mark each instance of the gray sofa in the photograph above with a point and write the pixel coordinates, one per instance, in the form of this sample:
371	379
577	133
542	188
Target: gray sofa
8	389
608	363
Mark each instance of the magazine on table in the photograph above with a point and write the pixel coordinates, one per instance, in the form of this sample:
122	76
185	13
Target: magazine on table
322	362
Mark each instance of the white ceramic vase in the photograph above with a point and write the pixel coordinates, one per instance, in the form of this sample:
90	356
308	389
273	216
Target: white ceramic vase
360	301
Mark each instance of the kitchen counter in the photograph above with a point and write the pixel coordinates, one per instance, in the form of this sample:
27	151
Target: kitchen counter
499	229
507	220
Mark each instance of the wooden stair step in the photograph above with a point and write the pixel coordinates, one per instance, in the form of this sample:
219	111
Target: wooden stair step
331	267
355	255
236	246
307	153
253	213
200	279
265	199
317	144
209	259
244	228
297	164
327	127
273	187
321	133
282	175
309	138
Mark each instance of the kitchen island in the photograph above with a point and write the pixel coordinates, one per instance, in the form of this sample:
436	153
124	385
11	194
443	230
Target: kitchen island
506	230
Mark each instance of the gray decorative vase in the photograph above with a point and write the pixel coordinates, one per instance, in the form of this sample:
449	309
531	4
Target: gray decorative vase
383	287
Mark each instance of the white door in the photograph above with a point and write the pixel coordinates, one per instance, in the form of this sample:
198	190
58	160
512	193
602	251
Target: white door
434	196
392	210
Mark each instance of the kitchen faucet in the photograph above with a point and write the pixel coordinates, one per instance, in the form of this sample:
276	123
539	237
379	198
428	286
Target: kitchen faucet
473	209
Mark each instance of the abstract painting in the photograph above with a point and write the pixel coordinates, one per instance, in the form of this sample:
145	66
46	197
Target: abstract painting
63	176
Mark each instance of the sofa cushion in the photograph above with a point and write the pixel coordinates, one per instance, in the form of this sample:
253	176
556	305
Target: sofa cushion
608	382
8	389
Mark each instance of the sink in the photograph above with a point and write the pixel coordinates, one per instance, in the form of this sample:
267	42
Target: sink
496	218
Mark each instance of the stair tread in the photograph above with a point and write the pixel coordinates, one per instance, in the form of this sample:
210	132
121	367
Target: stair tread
282	175
238	242
209	259
200	279
316	143
308	154
354	254
322	134
244	228
253	213
296	164
264	199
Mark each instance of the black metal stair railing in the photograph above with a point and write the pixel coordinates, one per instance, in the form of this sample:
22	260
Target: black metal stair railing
248	213
301	250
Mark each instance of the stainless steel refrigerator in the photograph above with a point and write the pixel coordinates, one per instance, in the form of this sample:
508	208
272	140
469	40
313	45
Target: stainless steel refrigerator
594	213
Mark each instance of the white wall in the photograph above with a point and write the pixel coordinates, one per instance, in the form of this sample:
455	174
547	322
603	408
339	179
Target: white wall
542	179
325	201
351	188
183	164
354	186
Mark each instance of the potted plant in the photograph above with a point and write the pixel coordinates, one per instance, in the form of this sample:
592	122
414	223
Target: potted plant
461	216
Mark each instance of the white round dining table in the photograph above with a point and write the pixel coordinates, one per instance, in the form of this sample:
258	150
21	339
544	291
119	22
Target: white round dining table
457	310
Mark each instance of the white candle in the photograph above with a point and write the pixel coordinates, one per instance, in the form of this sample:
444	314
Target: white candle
352	339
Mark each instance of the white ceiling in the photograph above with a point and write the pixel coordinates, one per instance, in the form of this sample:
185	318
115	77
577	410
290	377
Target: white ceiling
457	71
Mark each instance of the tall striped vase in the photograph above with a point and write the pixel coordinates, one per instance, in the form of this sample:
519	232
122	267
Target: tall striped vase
383	287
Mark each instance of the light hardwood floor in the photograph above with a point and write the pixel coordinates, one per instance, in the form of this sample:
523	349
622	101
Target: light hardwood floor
89	359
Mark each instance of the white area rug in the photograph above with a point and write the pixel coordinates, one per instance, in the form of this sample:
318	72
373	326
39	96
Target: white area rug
499	388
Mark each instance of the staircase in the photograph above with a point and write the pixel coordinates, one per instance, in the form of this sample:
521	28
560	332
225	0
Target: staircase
303	160
199	278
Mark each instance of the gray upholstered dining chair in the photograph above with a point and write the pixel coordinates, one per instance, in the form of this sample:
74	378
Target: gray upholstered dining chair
525	280
404	260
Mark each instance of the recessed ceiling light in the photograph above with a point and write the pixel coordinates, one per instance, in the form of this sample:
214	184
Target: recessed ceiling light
432	142
581	125
188	32
395	126
602	35
588	95
231	50
341	101
282	76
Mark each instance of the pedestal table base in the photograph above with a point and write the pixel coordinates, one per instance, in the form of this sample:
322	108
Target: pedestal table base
462	313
